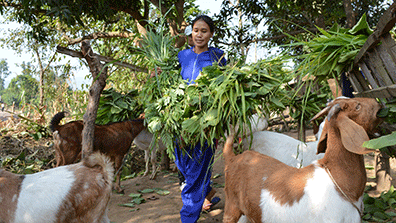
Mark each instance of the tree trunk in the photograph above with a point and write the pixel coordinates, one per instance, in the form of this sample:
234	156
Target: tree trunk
99	76
350	14
41	86
382	166
41	81
42	72
382	171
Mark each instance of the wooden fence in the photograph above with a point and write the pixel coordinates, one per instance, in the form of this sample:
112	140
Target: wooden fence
374	71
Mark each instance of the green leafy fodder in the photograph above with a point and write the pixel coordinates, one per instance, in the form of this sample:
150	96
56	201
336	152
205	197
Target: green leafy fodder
221	97
116	106
158	50
332	52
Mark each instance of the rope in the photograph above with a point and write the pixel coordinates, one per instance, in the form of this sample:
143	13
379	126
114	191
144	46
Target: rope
339	188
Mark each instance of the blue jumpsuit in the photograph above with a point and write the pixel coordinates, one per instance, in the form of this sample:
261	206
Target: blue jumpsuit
196	165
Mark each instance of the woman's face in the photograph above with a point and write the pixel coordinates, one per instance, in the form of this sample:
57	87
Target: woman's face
201	34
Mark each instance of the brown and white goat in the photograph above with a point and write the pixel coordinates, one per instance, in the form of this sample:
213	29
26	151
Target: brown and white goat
329	190
73	193
113	139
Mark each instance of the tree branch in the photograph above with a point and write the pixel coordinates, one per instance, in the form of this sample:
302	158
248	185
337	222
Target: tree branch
293	33
78	54
98	35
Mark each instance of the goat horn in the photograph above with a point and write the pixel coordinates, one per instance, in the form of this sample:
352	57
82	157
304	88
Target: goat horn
334	110
321	113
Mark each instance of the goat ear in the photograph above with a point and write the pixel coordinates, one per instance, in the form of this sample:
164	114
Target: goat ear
352	135
322	145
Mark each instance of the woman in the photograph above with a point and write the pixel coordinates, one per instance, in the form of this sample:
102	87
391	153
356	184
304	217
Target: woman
196	163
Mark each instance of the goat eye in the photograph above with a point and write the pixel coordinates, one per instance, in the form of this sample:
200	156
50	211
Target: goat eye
358	106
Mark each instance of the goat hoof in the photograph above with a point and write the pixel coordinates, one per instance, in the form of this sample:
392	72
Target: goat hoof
120	192
153	175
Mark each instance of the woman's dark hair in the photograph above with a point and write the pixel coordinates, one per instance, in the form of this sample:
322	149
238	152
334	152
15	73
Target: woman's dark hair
206	19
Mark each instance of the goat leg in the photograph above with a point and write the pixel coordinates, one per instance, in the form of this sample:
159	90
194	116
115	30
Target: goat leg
118	166
146	158
154	163
154	173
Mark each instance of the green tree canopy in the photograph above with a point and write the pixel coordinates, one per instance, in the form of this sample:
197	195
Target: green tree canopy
238	19
23	88
38	14
4	72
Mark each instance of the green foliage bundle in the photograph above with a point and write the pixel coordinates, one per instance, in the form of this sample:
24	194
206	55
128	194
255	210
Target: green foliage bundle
158	48
378	209
333	52
221	97
307	106
115	106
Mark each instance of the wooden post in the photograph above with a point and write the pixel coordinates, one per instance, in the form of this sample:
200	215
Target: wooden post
382	165
335	88
382	171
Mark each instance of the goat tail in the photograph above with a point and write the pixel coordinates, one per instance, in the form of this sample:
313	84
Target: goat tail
228	150
54	124
101	162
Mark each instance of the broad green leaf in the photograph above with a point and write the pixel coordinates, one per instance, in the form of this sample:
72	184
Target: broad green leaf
138	200
130	205
361	26
135	195
162	192
383	141
145	191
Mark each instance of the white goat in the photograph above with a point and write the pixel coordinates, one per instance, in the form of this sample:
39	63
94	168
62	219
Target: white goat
257	123
330	190
72	193
284	148
143	141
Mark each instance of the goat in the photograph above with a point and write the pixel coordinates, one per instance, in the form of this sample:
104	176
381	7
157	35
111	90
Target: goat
329	190
284	148
143	141
74	193
257	123
114	140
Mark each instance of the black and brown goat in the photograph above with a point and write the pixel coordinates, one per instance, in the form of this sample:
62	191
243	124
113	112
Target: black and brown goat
114	140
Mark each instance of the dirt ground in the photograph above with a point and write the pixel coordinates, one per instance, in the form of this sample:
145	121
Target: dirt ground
163	208
160	200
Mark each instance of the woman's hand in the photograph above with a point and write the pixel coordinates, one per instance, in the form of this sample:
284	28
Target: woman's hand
159	71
